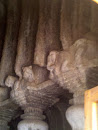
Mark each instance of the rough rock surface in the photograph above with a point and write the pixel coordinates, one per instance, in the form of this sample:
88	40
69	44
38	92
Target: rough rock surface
29	31
9	50
76	70
34	93
70	68
27	35
48	30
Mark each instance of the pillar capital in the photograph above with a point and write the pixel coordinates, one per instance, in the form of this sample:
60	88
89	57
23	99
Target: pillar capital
34	94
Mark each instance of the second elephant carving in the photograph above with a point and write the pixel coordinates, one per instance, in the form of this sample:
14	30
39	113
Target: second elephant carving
75	68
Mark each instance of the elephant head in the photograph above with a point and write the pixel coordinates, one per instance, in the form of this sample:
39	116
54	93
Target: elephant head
70	68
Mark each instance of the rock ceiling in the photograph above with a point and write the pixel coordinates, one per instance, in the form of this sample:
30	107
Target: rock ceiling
47	37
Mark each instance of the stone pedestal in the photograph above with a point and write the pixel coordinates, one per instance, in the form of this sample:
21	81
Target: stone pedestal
75	113
32	120
32	125
75	117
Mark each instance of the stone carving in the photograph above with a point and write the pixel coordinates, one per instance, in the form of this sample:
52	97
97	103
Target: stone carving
8	109
34	93
27	35
75	69
70	68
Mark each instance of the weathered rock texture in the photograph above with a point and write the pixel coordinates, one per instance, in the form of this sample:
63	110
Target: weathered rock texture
76	69
71	68
2	24
8	109
66	24
48	30
81	18
34	94
9	50
27	35
35	28
29	31
94	19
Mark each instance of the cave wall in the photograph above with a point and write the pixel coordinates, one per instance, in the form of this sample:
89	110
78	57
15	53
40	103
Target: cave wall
30	30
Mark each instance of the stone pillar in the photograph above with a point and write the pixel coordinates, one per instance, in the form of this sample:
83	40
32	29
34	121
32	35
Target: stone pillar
33	120
8	109
75	113
32	125
34	94
75	116
88	79
77	71
7	112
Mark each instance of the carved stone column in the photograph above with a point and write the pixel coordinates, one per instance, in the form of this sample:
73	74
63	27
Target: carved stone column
75	117
33	119
34	94
8	109
76	70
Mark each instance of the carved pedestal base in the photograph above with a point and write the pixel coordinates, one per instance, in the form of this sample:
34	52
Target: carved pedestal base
33	120
75	117
32	125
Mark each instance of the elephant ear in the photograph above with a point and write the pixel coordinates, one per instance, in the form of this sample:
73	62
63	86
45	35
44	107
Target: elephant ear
64	66
51	60
28	73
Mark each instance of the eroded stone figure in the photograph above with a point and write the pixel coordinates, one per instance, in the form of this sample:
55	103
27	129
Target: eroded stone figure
76	70
70	68
30	78
34	92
